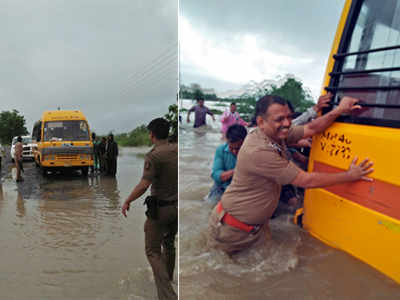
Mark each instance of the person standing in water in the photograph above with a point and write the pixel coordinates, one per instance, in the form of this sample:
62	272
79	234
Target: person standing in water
200	113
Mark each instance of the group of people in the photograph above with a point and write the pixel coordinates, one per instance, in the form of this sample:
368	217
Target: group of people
234	131
105	154
229	117
251	168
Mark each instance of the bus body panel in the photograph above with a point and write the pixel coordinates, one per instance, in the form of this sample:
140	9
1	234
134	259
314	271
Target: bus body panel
360	218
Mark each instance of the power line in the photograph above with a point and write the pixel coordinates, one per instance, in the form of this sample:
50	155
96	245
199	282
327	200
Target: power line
153	72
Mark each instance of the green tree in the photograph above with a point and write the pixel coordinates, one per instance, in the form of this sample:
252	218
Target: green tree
11	124
293	91
246	106
198	94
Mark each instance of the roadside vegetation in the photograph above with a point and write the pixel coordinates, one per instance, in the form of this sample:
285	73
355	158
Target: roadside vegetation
292	89
140	135
11	124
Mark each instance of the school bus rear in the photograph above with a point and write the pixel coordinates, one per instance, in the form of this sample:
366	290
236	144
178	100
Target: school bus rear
362	218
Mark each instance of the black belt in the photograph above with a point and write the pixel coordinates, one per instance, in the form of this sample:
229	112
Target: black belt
162	203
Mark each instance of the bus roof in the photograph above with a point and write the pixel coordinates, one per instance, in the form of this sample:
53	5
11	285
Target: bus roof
58	115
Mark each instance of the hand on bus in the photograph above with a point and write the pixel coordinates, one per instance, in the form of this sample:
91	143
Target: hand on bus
348	104
323	101
360	171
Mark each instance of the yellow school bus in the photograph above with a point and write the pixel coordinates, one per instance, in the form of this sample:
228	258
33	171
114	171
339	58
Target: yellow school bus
362	218
63	141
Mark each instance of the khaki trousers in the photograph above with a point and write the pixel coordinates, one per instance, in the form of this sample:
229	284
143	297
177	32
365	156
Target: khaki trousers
230	239
160	249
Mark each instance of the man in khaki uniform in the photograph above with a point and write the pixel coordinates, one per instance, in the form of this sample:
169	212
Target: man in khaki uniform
161	172
18	158
240	220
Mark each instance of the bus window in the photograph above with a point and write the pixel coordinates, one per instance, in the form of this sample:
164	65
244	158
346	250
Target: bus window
368	64
36	132
66	131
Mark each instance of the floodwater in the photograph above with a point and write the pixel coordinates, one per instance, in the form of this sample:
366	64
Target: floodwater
64	237
295	265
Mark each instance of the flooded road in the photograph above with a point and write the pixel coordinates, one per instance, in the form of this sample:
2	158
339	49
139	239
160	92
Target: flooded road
64	237
295	266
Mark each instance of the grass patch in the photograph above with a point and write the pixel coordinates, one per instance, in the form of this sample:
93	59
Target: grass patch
216	111
137	137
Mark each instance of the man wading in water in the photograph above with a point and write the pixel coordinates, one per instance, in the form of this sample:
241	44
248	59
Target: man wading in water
200	113
240	220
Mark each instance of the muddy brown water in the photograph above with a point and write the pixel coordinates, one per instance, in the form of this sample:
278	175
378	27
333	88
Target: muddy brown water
294	266
63	236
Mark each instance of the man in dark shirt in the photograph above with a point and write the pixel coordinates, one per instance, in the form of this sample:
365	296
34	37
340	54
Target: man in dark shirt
111	155
161	172
102	154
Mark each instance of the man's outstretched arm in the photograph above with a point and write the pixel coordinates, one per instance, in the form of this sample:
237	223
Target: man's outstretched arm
317	179
346	105
138	191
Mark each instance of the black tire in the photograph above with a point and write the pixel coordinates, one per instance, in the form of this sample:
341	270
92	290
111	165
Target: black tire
43	170
85	171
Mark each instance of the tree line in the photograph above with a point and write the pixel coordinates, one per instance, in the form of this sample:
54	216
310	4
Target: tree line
13	124
292	89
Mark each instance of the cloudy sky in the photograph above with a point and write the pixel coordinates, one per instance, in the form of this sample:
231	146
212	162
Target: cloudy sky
115	60
225	44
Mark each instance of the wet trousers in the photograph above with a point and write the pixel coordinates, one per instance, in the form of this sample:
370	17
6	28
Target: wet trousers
160	249
96	159
111	166
103	163
20	168
232	240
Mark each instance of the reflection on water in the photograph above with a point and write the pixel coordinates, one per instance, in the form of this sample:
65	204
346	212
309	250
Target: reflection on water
293	265
20	206
64	237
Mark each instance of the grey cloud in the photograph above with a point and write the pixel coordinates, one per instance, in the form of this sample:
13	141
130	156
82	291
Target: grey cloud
306	24
97	56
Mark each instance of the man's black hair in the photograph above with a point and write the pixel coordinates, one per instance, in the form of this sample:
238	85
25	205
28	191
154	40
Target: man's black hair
264	102
93	135
236	133
159	128
233	103
19	139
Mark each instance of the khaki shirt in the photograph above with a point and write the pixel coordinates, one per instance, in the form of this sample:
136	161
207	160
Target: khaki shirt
261	170
18	151
161	168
